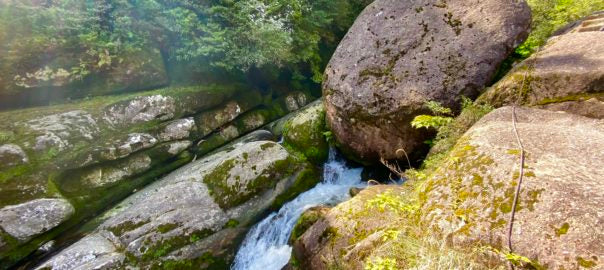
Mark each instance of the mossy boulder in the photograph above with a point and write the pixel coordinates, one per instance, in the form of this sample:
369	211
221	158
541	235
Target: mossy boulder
400	54
563	75
194	217
455	214
468	198
305	133
353	232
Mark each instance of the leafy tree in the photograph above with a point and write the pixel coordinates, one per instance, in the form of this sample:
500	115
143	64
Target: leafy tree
550	15
235	36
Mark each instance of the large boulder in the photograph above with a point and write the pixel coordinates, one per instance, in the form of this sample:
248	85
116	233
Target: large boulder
458	211
469	197
566	74
400	54
194	217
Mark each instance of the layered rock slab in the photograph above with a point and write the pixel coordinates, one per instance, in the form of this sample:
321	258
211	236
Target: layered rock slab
192	218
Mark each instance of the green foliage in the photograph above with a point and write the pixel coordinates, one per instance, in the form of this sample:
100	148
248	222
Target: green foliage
448	134
429	121
380	263
386	201
550	15
440	118
223	34
437	108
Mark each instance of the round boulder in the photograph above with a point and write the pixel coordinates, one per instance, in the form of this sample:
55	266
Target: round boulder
400	54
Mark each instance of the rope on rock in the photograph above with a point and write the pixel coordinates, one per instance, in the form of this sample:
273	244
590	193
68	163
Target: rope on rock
520	177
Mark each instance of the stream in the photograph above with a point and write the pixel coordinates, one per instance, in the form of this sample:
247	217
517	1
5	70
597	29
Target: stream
265	246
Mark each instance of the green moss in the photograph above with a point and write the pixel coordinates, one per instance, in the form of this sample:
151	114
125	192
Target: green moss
164	228
232	223
207	261
329	233
266	146
578	97
154	251
563	229
305	134
586	263
228	194
6	136
307	219
127	226
305	180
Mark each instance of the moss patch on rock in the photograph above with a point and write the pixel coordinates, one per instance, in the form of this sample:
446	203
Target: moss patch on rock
305	133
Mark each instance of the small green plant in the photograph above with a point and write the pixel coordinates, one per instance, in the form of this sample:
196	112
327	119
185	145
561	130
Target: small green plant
390	235
442	116
516	259
6	137
386	201
329	137
380	263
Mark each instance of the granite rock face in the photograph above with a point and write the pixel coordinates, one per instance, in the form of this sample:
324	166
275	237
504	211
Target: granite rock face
563	75
400	54
465	202
559	208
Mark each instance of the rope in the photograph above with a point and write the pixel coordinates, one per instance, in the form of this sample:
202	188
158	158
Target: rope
520	177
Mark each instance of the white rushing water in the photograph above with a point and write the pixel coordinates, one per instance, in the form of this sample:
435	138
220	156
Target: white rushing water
265	246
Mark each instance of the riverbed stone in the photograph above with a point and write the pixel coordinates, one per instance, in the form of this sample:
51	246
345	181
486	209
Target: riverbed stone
95	152
133	142
32	218
59	130
95	252
400	54
11	155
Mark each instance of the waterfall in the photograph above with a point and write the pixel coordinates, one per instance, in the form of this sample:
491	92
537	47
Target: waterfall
265	246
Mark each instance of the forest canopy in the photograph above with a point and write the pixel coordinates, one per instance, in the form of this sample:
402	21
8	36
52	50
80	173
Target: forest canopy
58	44
227	34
